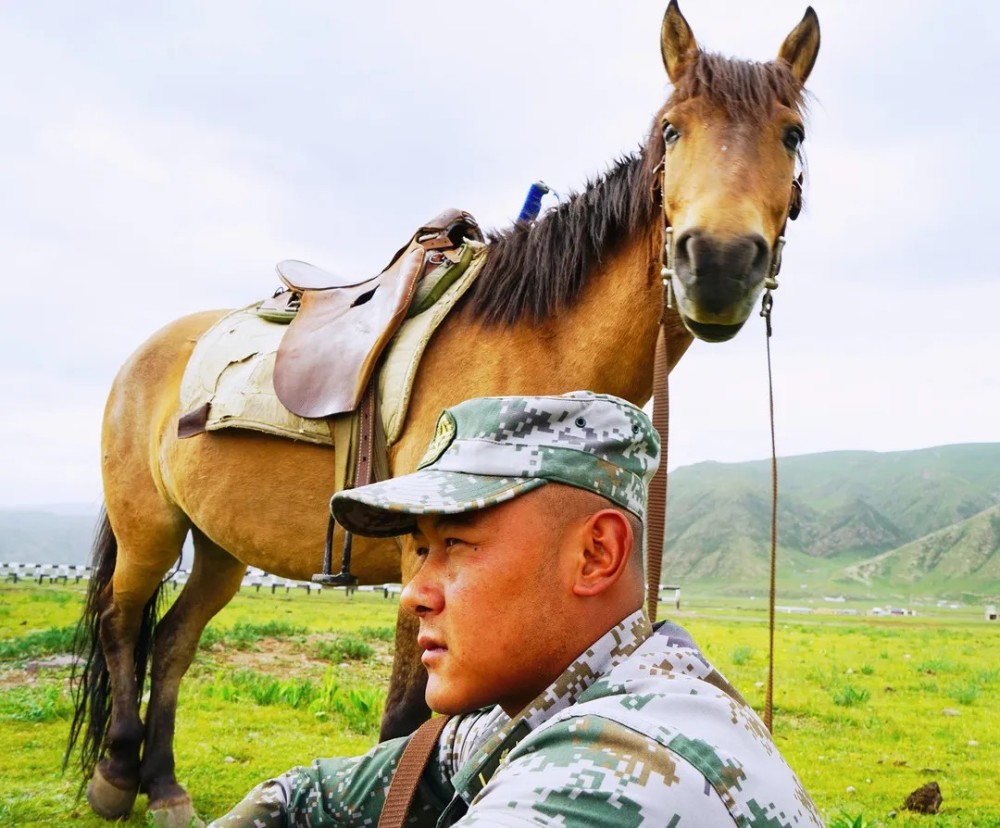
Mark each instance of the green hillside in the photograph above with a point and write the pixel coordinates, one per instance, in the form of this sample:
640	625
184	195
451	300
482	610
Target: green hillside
838	508
965	555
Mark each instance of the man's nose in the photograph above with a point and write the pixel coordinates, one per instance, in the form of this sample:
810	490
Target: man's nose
422	594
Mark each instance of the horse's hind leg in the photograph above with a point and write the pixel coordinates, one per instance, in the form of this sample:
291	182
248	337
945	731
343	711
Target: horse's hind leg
147	543
215	578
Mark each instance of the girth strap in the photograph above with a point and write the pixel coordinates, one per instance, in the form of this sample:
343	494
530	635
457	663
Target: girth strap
361	459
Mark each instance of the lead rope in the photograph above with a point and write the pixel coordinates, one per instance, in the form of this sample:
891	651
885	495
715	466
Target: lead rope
657	511
658	485
765	310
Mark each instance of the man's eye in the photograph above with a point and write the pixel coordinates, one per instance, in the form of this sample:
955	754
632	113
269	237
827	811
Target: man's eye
452	541
422	551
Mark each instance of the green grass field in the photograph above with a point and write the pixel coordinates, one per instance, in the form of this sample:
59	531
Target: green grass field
867	709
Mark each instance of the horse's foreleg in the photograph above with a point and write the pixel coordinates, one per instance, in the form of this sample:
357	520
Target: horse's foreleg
405	708
215	578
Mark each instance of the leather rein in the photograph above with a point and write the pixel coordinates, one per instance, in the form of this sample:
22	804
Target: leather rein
661	420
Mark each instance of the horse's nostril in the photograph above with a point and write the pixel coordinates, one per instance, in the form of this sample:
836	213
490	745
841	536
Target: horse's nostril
682	247
763	254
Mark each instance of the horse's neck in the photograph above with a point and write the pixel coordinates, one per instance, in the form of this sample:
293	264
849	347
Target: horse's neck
604	342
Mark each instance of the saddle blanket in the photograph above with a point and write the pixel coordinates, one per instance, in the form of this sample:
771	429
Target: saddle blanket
232	366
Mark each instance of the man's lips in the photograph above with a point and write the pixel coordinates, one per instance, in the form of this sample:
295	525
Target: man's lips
428	642
432	647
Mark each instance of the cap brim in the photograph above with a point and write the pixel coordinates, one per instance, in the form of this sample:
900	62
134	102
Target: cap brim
389	508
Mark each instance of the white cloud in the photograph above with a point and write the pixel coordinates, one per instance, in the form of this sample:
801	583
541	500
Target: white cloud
159	160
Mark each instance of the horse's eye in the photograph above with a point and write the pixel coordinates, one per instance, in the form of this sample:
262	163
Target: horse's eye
670	134
794	136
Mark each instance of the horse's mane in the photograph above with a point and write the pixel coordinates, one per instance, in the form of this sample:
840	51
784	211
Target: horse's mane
534	270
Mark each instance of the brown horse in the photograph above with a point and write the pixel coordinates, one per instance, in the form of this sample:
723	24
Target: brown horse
571	301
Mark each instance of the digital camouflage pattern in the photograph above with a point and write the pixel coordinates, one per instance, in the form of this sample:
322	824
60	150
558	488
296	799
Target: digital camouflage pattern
491	449
639	730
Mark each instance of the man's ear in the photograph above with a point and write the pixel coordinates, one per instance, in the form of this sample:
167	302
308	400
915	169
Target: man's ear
607	548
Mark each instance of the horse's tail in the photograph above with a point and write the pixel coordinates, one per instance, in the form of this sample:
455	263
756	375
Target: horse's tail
91	680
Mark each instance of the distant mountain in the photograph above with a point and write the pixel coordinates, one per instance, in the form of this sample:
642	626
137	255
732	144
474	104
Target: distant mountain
965	553
836	508
914	520
59	536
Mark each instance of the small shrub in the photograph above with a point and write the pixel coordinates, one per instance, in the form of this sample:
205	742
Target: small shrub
34	704
845	820
377	633
153	822
867	669
262	689
935	665
44	642
965	693
344	649
361	708
849	696
245	635
741	655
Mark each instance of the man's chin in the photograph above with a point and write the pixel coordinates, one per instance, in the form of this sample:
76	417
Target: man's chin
446	707
450	700
437	697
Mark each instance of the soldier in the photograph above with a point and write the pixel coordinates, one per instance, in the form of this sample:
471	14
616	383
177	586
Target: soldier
567	708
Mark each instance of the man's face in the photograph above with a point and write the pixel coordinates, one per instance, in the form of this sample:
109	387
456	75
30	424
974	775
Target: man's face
491	598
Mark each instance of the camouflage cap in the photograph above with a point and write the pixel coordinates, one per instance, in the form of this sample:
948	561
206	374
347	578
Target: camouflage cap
491	449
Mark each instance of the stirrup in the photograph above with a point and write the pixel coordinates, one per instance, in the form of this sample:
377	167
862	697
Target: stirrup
345	577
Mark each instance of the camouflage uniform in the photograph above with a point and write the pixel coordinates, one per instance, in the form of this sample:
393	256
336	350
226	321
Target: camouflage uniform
639	730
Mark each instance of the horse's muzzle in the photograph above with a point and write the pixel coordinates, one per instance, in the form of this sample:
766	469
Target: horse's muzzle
719	281
707	332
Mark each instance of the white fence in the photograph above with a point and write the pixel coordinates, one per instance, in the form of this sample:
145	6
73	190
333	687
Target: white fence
255	578
44	573
258	579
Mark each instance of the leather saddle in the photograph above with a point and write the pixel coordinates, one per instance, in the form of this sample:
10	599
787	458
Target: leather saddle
341	325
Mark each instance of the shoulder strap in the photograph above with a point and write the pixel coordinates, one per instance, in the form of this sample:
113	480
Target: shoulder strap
411	767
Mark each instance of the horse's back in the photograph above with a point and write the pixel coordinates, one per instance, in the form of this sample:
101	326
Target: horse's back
162	357
145	393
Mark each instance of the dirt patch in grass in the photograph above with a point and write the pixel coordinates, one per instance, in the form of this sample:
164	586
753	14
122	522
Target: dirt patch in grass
295	660
15	678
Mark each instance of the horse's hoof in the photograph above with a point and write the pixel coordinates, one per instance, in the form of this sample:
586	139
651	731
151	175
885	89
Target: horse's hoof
176	812
107	800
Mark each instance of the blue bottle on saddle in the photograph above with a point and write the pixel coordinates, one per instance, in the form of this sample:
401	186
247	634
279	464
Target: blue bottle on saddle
533	203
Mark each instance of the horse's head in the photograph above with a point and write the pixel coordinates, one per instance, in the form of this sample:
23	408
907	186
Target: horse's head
732	133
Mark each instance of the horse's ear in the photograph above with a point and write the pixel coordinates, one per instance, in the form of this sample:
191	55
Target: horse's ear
677	43
801	46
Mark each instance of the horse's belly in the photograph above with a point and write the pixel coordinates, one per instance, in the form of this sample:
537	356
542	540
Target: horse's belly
266	500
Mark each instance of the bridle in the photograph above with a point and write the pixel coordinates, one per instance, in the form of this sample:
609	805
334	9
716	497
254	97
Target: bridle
668	268
661	414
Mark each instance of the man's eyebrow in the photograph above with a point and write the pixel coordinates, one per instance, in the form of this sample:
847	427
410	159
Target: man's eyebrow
460	520
442	523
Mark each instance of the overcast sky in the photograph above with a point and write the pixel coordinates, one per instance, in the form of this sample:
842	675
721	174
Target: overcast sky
158	159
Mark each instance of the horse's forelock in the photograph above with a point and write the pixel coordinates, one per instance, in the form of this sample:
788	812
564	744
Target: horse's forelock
744	90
